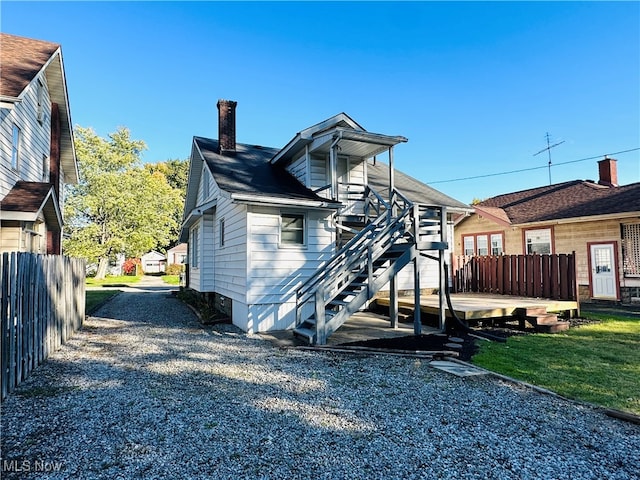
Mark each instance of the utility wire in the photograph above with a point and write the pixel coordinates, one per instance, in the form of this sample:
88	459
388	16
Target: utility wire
533	168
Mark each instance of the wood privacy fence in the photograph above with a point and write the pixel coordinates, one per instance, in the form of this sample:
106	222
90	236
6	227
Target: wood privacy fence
42	301
545	276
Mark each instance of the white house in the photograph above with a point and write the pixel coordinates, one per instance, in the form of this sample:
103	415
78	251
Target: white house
303	236
153	262
177	255
36	143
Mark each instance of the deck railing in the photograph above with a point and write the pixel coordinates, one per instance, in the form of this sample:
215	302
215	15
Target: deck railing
544	276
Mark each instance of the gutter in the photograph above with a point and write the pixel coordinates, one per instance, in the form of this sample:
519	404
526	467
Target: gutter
287	202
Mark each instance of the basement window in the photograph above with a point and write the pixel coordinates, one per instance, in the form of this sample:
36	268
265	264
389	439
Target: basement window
292	227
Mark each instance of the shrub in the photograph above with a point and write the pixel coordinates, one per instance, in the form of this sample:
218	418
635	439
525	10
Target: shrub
174	269
131	265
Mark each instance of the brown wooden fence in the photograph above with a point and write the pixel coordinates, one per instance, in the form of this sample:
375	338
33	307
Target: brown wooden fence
544	276
42	301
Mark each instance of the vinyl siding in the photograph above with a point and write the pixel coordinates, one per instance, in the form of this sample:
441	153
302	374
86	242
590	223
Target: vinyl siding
230	260
299	169
275	272
35	137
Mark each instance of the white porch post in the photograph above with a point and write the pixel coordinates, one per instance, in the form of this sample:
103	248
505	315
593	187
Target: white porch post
417	321
441	262
393	302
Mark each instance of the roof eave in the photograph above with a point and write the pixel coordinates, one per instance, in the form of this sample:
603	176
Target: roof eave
585	218
284	202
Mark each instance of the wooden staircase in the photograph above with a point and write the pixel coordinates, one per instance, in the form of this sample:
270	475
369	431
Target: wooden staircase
541	320
396	231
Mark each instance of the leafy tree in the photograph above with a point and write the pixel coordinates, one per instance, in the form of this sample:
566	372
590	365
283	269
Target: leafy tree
118	206
177	174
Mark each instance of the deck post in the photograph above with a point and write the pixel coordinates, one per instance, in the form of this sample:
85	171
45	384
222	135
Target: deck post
417	321
441	263
393	302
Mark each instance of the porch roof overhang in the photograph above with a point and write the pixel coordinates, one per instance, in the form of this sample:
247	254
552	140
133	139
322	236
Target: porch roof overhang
351	142
193	216
28	200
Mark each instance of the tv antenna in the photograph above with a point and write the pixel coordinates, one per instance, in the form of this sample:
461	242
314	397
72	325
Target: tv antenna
548	150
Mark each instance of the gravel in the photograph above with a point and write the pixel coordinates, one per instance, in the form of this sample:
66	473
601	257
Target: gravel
145	391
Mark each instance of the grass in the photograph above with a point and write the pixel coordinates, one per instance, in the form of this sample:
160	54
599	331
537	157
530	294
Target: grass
96	297
596	363
116	281
171	279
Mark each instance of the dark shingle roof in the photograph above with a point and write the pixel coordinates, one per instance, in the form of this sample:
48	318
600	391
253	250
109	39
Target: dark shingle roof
21	59
566	200
413	189
26	197
248	171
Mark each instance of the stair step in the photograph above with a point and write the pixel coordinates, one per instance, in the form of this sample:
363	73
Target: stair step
535	311
553	328
338	303
305	333
545	319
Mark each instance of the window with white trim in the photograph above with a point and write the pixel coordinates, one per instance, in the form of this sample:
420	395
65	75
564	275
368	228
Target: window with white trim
483	245
538	241
40	106
292	229
45	168
195	247
15	148
496	244
469	245
631	249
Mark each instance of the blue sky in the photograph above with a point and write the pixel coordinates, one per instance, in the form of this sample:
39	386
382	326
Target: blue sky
473	86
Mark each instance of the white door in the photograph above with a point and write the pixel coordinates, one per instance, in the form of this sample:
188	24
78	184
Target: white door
603	271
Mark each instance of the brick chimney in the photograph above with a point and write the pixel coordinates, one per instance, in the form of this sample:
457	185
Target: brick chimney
227	125
608	171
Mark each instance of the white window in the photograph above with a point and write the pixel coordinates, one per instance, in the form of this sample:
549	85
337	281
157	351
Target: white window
496	244
292	226
45	168
222	234
538	241
205	184
483	245
15	148
631	249
469	246
40	110
195	247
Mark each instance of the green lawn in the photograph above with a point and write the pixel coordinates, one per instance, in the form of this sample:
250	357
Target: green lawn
597	363
113	281
96	297
171	279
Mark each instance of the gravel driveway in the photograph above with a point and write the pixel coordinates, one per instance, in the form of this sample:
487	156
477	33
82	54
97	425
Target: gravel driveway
144	391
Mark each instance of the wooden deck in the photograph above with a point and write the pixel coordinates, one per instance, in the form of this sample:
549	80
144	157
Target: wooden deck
482	306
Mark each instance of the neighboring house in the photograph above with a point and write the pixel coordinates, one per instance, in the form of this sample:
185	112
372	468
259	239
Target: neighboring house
599	221
153	262
36	142
177	255
303	236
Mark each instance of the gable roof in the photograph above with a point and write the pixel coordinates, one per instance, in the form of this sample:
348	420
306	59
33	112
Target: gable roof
26	200
413	189
566	200
22	59
354	140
